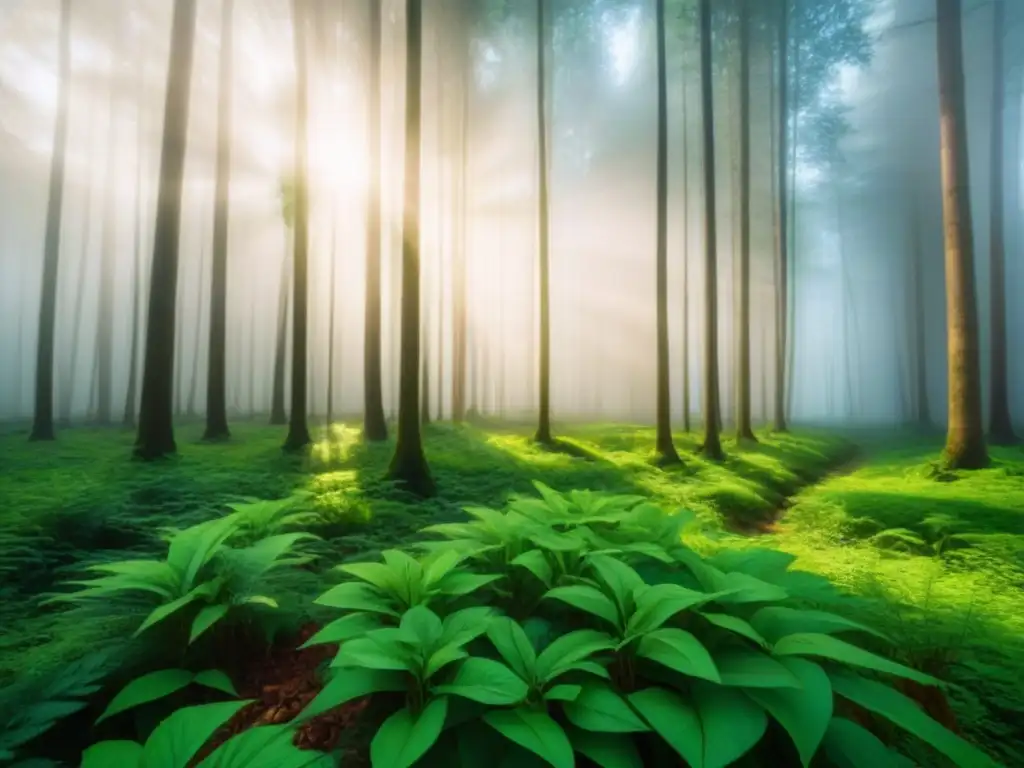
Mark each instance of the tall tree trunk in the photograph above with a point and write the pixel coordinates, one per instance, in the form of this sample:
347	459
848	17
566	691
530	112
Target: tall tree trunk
298	431
712	447
42	417
782	226
744	428
330	319
156	430
409	465
193	387
68	392
108	240
216	374
374	425
131	397
664	448
965	439
1000	423
920	347
460	331
278	414
425	360
544	412
686	256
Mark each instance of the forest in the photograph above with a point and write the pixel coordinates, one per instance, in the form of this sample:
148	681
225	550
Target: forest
513	383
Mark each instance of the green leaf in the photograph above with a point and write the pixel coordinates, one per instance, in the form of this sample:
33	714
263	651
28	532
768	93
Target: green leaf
463	583
142	690
535	731
268	746
368	653
486	681
588	599
679	650
423	624
468	624
356	596
217	680
753	669
904	712
804	712
258	600
350	684
123	754
175	741
556	502
515	648
442	657
599	708
375	574
405	737
828	647
657	604
849	745
674	719
439	565
346	628
563	693
776	621
557	542
732	724
588	668
569	651
536	562
161	612
608	750
208	616
735	625
743	588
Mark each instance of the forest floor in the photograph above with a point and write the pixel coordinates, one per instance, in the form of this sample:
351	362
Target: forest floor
934	559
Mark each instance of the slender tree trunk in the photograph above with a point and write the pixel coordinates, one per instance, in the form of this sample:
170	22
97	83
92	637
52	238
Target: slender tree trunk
42	417
965	440
425	360
544	416
409	465
665	450
331	335
459	325
686	255
216	375
298	431
1000	423
920	348
712	447
782	227
108	239
744	428
131	398
193	388
156	430
374	425
278	415
68	393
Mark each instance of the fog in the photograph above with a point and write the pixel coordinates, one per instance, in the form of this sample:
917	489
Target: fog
866	201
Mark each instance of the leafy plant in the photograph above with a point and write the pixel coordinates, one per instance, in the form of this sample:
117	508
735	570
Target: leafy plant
259	519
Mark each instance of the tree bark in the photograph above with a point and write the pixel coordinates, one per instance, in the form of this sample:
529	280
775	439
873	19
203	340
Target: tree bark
278	414
156	430
544	411
686	257
108	240
965	440
782	227
131	397
744	428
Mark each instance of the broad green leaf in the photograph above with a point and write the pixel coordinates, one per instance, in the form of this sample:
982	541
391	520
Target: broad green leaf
588	599
439	565
904	712
556	502
423	624
570	651
151	687
557	542
217	680
776	621
535	731
175	741
679	650
563	693
106	754
753	669
536	562
350	684
405	737
442	657
194	547
849	745
468	624
804	712
657	604
674	719
370	654
732	723
375	574
588	668
346	628
828	647
620	579
486	681
599	708
735	625
163	611
515	648
357	596
460	583
257	600
608	750
268	746
739	587
208	616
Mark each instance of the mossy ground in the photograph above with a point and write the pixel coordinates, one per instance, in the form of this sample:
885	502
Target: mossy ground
871	527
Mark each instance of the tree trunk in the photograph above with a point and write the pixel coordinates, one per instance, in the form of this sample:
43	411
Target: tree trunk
409	465
920	348
459	325
965	440
216	375
544	412
744	428
278	415
156	430
712	447
330	320
374	425
686	257
1000	423
68	392
782	227
131	397
42	417
665	450
193	387
298	431
108	240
